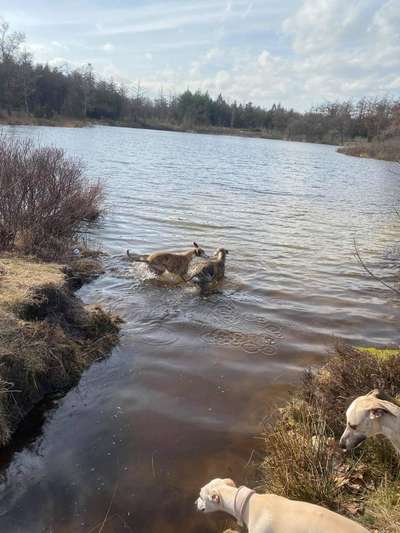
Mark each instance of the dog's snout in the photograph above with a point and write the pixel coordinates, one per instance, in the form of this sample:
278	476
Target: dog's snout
350	441
199	504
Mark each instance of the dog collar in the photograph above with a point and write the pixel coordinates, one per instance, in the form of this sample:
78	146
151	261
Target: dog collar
242	497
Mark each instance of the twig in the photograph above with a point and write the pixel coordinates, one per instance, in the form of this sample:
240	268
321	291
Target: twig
103	523
250	458
374	276
152	465
109	507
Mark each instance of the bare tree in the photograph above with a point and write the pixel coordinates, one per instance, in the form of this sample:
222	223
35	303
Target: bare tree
9	48
88	83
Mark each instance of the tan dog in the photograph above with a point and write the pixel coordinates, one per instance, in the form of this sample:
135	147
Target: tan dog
173	262
213	268
372	414
268	513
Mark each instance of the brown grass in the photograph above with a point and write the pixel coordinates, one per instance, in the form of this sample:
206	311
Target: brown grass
298	465
47	336
20	119
302	458
22	275
387	149
383	507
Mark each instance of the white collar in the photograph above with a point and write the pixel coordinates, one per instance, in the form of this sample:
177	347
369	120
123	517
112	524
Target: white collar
242	497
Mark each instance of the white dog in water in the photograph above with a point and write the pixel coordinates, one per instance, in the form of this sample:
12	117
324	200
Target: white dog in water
372	414
268	513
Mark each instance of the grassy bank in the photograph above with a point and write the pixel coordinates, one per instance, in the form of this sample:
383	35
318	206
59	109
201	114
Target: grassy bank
29	120
65	122
388	150
303	460
47	335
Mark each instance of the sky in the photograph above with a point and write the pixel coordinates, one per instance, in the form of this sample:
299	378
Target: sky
296	52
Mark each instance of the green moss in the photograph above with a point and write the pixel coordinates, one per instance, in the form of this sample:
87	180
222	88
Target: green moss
383	354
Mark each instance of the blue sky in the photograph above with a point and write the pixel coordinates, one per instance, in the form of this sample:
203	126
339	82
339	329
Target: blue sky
297	52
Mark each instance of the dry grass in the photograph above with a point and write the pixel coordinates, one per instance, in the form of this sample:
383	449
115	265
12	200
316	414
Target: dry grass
22	275
302	457
20	119
300	460
47	336
388	149
382	508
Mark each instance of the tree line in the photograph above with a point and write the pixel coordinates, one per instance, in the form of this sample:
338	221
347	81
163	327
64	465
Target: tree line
42	91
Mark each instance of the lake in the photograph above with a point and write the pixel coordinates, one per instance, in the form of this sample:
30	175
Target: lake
183	398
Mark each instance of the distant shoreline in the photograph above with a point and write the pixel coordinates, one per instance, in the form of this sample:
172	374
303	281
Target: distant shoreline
67	122
387	150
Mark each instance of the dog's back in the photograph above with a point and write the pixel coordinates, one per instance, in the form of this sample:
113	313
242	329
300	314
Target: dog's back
173	262
270	512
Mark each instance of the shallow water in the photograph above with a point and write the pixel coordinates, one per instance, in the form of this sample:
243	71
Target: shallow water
183	397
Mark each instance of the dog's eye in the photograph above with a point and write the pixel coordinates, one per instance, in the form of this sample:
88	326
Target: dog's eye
353	427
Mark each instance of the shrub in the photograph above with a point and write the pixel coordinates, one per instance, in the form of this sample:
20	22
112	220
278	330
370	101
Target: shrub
45	199
387	149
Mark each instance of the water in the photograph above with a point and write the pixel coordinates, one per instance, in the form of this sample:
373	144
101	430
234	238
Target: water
182	398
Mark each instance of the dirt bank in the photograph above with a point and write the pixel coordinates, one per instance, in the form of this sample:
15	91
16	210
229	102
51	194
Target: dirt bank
47	335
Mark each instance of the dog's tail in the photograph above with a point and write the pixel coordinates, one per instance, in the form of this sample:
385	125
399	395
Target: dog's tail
138	258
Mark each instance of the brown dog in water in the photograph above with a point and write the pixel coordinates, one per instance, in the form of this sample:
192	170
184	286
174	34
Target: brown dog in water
173	262
213	269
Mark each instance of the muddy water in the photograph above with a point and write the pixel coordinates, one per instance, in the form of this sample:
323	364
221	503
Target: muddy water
182	399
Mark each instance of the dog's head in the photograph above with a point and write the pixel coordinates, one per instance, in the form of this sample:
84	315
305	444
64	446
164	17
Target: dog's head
365	417
199	252
210	499
221	253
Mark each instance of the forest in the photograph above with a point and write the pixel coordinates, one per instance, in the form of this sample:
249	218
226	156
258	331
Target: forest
39	91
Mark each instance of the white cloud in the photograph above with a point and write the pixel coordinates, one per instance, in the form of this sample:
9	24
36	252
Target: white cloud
108	47
320	24
36	48
248	9
59	45
222	80
264	59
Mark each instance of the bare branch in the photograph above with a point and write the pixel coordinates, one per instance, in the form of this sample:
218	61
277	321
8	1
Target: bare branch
369	271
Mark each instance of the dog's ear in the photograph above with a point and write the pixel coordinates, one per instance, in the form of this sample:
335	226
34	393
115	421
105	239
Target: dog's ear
214	497
230	482
195	244
380	394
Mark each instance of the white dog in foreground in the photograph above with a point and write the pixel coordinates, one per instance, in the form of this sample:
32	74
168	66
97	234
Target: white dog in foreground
372	414
268	513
